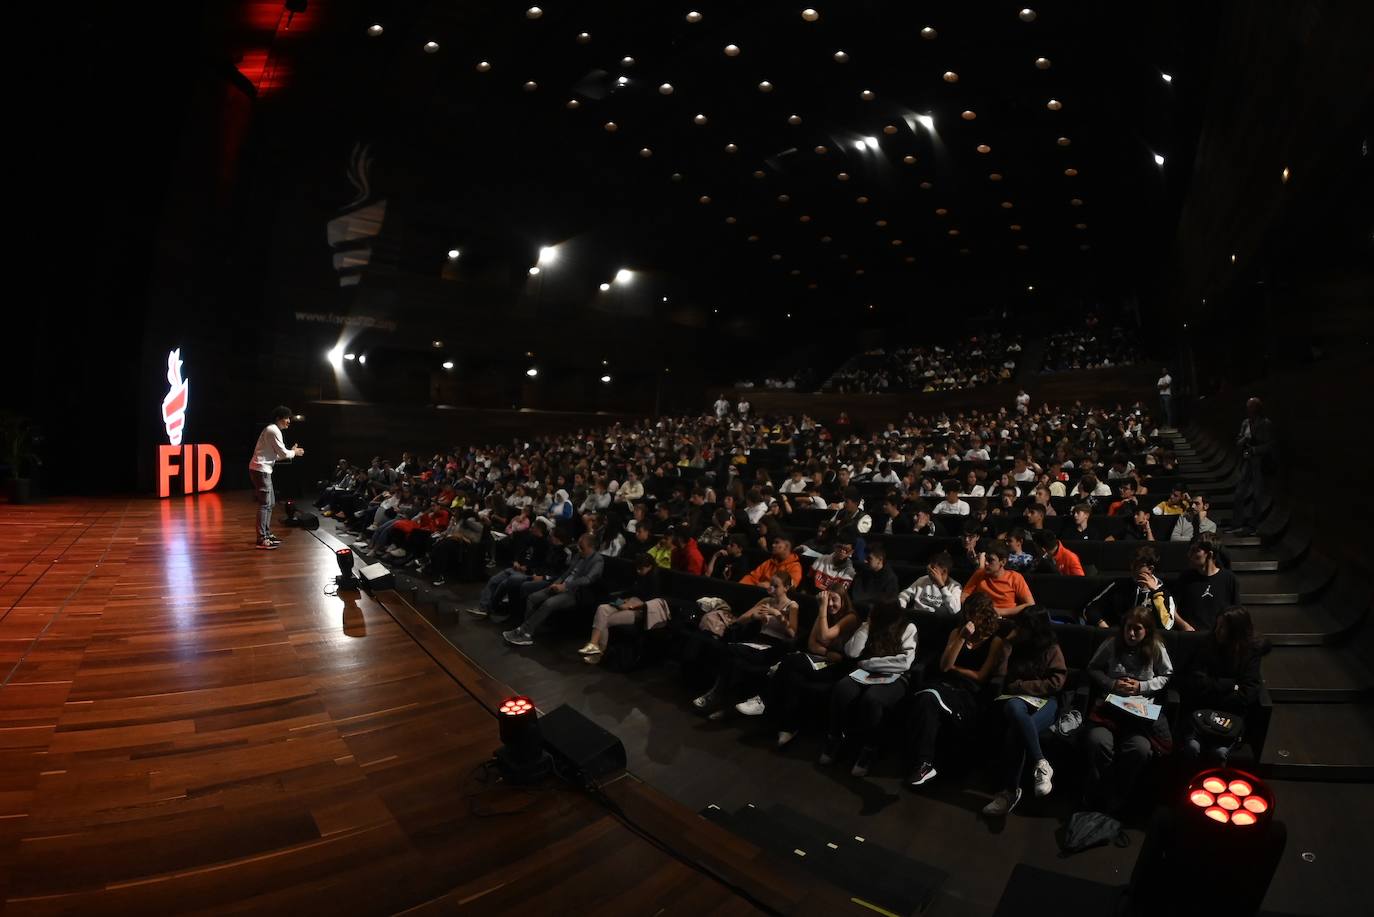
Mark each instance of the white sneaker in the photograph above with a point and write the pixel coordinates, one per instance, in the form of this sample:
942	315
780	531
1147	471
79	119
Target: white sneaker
396	552
701	702
1044	774
591	649
362	546
1002	803
752	707
785	737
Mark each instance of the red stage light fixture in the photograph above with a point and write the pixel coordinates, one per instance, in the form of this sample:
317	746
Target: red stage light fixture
1230	797
521	757
345	579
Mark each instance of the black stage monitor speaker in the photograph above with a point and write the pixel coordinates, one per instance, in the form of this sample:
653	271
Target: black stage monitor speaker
579	745
376	578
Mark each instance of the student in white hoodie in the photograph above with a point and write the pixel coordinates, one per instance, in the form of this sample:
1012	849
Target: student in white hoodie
936	592
883	648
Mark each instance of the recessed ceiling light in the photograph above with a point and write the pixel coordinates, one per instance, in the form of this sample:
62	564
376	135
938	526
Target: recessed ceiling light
775	257
731	148
969	115
627	61
374	30
889	129
752	238
1023	247
1015	227
1080	225
431	47
861	199
825	238
951	76
1159	160
784	198
573	103
1063	141
611	126
1006	205
765	86
448	364
436	344
732	50
804	218
1043	63
676	176
941	212
533	12
928	33
731	220
866	95
531	85
534	271
583	37
984	148
909	159
604	287
994	176
954	232
810	15
483	66
841	57
1233	258
1054	105
532	372
759	173
621	80
880	223
1071	172
1166	77
1027	15
925	186
1075	202
843	176
896	241
698	119
666	89
794	119
1283	176
821	150
646	152
453	254
704	199
694	16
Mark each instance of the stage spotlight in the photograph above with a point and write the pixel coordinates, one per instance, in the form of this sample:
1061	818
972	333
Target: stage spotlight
345	579
335	357
350	356
448	364
453	254
548	254
362	358
521	757
871	143
1159	160
606	379
623	275
604	287
532	372
927	122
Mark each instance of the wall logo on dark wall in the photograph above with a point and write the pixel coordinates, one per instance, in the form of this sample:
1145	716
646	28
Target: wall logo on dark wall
197	464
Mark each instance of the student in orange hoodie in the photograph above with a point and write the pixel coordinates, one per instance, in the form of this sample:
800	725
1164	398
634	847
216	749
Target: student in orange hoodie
782	562
1067	561
1008	590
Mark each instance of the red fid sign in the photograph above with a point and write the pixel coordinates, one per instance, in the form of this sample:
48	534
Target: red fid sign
198	465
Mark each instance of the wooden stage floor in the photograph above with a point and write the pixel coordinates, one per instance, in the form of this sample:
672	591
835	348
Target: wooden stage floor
190	724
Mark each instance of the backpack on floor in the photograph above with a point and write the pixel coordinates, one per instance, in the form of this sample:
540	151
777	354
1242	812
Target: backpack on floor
1086	830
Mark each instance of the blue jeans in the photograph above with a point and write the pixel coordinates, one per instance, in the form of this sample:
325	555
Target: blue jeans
499	586
262	492
1024	725
379	537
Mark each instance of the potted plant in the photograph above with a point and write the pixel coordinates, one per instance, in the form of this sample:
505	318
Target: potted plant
18	444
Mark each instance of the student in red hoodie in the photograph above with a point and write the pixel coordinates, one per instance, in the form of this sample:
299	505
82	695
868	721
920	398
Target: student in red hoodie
686	555
1067	561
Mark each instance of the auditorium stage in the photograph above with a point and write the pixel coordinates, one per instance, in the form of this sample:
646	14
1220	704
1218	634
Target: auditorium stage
188	723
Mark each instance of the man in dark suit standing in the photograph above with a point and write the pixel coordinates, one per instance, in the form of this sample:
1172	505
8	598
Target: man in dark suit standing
1257	456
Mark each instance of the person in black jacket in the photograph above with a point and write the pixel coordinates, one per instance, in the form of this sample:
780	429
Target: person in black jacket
1223	675
873	580
1257	454
527	552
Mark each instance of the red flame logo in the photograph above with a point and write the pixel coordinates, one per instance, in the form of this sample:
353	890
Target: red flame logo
174	405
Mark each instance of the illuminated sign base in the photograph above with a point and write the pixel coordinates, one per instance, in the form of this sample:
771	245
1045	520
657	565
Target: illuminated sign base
198	465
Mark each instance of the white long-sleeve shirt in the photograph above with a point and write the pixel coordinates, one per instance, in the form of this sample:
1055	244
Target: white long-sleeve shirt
269	450
899	664
924	595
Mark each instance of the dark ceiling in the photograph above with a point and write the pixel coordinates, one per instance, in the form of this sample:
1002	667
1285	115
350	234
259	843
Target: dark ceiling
744	213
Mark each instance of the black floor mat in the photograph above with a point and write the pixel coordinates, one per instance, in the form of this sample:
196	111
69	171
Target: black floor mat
877	877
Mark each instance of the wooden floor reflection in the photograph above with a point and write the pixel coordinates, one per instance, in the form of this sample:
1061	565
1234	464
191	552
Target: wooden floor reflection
187	724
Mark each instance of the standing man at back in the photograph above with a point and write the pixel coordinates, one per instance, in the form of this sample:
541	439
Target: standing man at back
1256	442
1166	397
269	450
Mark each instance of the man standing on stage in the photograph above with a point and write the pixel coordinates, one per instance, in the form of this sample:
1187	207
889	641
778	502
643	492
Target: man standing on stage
269	450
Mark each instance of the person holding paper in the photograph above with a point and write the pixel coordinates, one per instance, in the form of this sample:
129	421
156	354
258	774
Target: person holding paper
1035	674
805	678
884	648
768	631
1128	671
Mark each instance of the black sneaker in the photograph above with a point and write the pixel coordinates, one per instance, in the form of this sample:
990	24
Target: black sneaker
924	772
273	538
867	755
267	546
830	752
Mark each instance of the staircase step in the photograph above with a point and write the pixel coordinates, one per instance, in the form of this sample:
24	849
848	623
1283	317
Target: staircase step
1320	742
1258	559
1287	587
1316	674
1309	624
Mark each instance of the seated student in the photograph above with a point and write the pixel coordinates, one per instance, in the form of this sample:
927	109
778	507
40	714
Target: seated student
873	580
804	678
782	560
1090	490
632	489
1128	503
411	538
728	563
972	535
1035	517
934	592
883	647
837	567
1078	528
1018	558
662	548
1139	528
632	604
775	617
1176	504
951	504
892	521
1041	498
1035	673
1066	562
922	523
454	545
1203	590
971	655
575	583
1132	663
1143	588
1195	522
686	555
795	484
715	535
1006	588
1223	675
